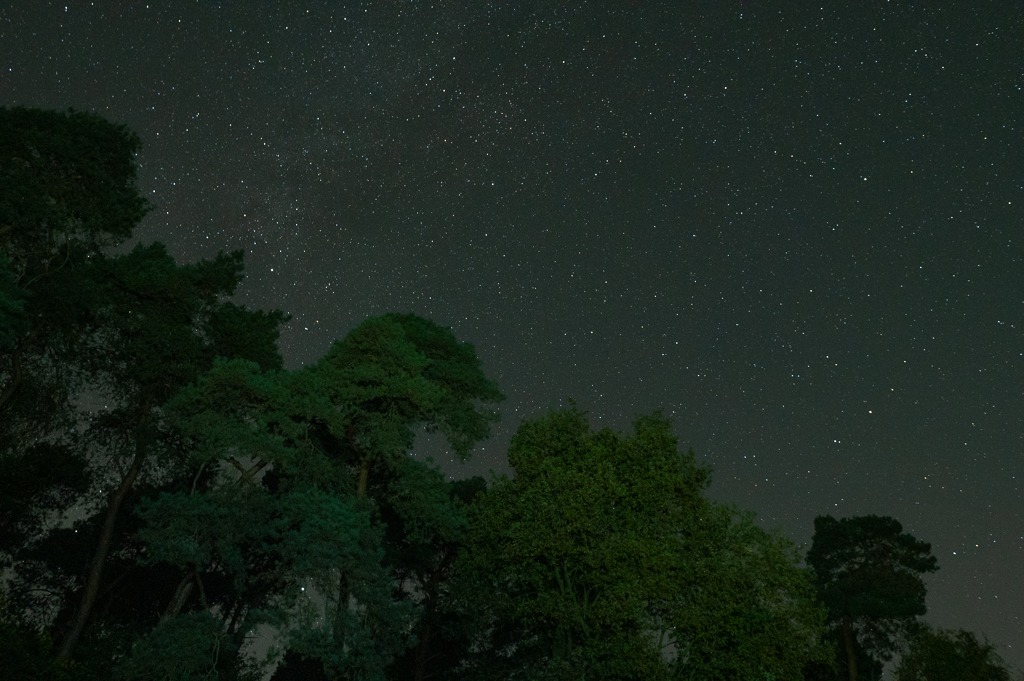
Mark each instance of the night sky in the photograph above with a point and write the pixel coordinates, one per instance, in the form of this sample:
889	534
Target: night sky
797	231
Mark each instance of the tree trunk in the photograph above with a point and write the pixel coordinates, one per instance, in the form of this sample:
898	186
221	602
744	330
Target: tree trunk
181	595
346	601
92	582
422	654
423	647
851	650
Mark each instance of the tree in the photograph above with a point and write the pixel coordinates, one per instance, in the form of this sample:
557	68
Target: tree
754	601
427	522
388	378
868	573
69	192
396	373
600	559
325	447
266	517
156	332
69	181
212	484
939	654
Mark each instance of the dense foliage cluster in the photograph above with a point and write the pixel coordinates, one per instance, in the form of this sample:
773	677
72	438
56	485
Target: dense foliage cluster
176	505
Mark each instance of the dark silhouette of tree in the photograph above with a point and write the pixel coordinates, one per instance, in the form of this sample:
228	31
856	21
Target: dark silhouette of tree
91	346
869	576
13	320
295	667
68	193
938	654
427	521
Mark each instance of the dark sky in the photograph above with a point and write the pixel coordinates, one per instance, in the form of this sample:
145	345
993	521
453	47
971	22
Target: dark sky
798	231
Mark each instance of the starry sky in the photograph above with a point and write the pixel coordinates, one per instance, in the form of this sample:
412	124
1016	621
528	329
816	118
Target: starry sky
797	230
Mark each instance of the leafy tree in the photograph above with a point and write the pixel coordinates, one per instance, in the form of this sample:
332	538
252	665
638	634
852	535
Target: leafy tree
284	451
938	654
245	481
754	601
263	520
152	327
69	192
156	333
868	574
388	378
396	373
427	522
188	646
603	559
69	180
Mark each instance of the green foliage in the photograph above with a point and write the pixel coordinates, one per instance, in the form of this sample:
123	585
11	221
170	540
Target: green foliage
162	324
148	339
603	558
754	601
274	454
102	343
241	421
233	531
235	332
235	409
419	504
68	192
397	372
188	647
427	520
266	519
938	654
45	478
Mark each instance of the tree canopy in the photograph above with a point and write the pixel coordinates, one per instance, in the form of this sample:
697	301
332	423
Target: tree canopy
393	374
301	446
69	192
69	188
936	654
869	576
602	558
